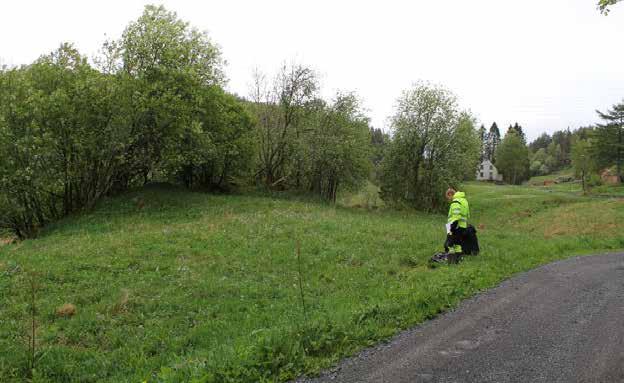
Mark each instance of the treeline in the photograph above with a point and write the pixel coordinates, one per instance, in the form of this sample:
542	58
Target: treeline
303	142
552	153
590	150
600	148
152	107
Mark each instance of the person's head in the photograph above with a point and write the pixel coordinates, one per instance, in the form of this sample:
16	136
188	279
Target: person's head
450	193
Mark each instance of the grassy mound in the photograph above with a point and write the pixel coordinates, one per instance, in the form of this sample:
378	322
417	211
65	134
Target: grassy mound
168	285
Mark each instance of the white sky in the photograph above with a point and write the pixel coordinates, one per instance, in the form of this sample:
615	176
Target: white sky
547	64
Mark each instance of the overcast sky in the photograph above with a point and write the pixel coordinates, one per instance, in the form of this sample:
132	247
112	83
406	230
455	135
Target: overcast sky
545	64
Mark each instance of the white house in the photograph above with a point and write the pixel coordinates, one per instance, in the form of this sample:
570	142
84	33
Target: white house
488	172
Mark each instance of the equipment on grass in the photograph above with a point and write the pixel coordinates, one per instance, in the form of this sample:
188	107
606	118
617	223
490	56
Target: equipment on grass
450	258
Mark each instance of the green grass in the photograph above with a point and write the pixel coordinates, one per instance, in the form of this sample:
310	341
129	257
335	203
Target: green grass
575	187
539	180
205	288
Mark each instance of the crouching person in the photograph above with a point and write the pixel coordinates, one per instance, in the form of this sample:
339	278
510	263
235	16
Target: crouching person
461	238
457	223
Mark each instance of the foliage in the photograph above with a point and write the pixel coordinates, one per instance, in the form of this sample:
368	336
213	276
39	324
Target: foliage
512	158
166	63
426	154
305	144
281	108
216	150
583	161
61	140
338	149
609	139
158	45
379	143
70	134
550	154
540	142
518	129
604	5
468	142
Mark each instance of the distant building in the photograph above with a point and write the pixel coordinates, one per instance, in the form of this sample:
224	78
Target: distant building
488	172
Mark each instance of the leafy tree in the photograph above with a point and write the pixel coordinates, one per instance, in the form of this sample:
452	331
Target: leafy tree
338	148
215	151
379	139
163	62
425	155
539	162
604	5
159	44
512	158
609	138
558	148
280	109
468	141
519	131
62	136
582	160
70	133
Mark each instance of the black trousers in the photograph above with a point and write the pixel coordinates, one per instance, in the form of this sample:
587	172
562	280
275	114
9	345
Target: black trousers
457	237
466	238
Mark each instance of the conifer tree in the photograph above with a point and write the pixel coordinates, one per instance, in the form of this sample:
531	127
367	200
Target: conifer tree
609	142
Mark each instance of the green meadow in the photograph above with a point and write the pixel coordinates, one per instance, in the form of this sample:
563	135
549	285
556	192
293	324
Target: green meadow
176	286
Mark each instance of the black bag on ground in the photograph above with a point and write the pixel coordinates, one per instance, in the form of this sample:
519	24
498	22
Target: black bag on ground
470	242
466	238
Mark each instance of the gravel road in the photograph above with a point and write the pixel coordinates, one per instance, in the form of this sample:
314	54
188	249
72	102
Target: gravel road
563	322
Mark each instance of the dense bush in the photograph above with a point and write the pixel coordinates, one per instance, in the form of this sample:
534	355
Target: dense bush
216	150
337	149
70	133
304	143
153	109
61	139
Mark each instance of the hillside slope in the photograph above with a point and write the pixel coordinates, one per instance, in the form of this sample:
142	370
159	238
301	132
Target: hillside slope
171	285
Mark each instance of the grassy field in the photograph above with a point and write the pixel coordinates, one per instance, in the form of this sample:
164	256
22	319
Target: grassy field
575	186
205	288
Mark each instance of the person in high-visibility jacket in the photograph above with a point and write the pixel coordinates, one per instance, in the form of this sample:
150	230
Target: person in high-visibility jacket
457	223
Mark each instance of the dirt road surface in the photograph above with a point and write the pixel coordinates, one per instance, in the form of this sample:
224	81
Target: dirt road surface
563	322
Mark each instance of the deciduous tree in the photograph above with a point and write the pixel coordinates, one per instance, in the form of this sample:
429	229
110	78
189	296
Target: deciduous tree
582	160
512	158
426	154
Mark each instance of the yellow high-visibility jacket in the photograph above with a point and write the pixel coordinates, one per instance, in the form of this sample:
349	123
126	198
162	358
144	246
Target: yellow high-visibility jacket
459	210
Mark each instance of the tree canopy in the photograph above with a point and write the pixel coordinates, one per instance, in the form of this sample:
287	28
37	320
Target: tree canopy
434	145
512	158
609	138
152	109
604	5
